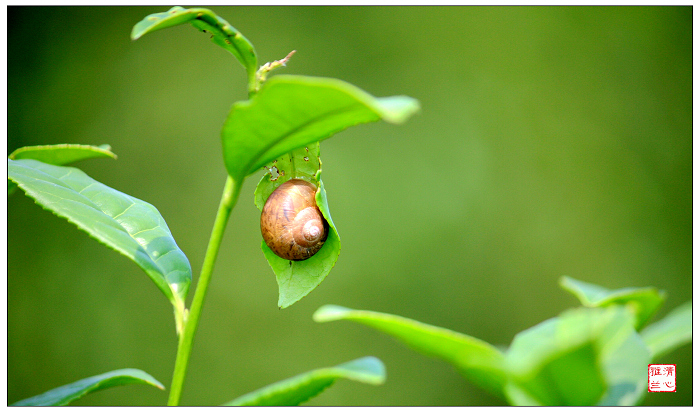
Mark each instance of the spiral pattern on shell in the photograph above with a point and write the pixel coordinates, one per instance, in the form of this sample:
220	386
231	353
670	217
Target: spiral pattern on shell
291	223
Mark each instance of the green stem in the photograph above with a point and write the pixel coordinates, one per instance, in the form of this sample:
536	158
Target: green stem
228	200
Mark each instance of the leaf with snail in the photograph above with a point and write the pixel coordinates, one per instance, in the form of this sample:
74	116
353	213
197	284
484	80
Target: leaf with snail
302	163
297	278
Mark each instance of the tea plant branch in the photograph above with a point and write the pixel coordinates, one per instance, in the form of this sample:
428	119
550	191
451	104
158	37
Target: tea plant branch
228	200
232	189
320	108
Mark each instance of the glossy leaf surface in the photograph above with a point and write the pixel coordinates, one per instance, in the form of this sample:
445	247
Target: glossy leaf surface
66	394
643	301
205	20
300	388
671	332
128	225
586	356
290	112
481	362
296	279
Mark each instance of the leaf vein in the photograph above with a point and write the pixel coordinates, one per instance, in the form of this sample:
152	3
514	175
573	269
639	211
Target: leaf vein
295	129
125	210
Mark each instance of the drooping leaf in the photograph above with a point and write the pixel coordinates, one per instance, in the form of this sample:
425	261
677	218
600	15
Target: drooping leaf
643	301
300	388
290	112
128	225
59	154
68	393
62	154
207	21
479	361
296	279
585	356
671	332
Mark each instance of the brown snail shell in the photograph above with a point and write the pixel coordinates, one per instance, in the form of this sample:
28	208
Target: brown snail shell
291	223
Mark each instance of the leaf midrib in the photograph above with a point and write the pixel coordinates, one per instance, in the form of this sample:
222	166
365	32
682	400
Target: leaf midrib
316	119
95	207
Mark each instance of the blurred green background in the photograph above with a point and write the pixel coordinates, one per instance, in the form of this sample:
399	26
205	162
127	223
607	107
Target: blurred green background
552	141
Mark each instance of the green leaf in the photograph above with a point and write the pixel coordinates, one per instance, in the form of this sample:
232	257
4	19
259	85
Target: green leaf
59	154
673	331
290	112
644	302
62	154
128	225
207	21
477	360
297	279
300	388
586	356
68	393
301	163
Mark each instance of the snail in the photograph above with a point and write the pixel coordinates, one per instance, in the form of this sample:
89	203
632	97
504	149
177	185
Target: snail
291	223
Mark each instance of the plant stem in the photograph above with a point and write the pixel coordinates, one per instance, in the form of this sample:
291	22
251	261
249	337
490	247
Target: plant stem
228	200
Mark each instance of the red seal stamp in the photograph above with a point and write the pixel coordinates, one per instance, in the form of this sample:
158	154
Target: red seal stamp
662	378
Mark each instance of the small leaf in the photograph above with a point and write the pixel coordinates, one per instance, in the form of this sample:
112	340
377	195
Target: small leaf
128	225
479	361
207	21
300	388
68	393
643	301
290	112
62	154
585	356
297	279
671	332
59	154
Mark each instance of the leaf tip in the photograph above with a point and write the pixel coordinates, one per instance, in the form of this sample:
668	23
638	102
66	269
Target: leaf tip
284	301
134	34
566	283
328	313
374	371
398	109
